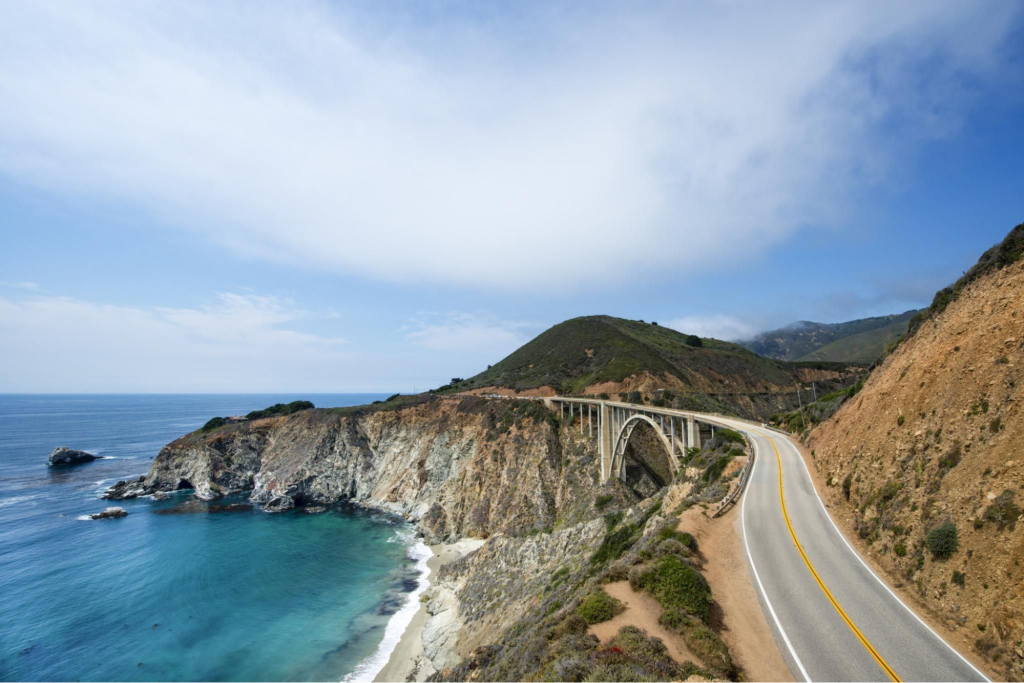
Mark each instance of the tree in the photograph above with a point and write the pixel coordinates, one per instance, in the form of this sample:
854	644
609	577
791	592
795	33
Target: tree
693	340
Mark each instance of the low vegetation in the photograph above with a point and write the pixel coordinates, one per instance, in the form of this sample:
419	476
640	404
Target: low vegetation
942	541
280	409
598	607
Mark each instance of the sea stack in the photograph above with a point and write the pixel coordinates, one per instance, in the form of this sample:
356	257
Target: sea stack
110	513
69	456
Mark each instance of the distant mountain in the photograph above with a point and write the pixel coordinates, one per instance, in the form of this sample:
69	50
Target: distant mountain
856	341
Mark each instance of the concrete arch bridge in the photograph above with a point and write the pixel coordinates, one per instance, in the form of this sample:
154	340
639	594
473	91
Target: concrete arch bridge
612	423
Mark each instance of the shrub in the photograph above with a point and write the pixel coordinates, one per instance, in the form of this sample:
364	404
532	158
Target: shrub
598	607
950	460
601	501
730	436
942	541
673	583
900	549
213	424
995	424
959	578
847	483
1003	511
687	540
900	420
694	340
281	409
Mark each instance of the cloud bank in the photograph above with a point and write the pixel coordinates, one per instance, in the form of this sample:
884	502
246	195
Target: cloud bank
484	147
237	343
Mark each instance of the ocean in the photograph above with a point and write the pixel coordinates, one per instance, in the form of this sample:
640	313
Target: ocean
179	589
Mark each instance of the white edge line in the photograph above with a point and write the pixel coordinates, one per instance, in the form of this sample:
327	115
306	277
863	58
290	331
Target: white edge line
871	571
750	558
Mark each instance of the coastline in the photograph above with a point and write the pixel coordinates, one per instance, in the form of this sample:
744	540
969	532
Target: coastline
405	658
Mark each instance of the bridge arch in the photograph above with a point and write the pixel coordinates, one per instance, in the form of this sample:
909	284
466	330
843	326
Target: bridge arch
618	464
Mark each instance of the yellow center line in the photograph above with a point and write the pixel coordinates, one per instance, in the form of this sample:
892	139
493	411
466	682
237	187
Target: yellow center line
835	603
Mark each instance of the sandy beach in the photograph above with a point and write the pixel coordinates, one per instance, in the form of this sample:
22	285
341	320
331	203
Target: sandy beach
405	659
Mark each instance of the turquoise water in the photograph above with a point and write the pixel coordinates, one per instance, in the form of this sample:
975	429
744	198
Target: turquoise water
178	590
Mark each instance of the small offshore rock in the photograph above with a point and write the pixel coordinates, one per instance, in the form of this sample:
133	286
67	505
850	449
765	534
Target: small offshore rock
314	509
63	455
160	495
110	513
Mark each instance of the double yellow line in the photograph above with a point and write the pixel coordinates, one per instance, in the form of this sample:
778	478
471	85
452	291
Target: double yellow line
835	603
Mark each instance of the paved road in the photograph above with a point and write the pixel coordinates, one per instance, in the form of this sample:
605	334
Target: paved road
835	620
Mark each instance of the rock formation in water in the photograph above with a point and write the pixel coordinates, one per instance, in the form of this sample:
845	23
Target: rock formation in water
63	456
110	513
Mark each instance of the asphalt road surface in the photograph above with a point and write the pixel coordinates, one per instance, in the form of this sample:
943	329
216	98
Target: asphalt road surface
835	620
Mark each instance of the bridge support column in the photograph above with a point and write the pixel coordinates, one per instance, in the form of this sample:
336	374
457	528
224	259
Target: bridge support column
605	426
692	433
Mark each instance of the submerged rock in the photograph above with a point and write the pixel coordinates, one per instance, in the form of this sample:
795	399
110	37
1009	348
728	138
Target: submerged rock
69	456
160	495
314	509
110	513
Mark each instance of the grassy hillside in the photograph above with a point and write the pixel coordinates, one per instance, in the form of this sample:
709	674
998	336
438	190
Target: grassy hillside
602	354
583	351
856	341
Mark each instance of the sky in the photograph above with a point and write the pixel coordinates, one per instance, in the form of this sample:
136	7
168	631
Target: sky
314	196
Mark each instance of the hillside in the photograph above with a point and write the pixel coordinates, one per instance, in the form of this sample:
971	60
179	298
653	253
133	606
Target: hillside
924	463
603	354
856	341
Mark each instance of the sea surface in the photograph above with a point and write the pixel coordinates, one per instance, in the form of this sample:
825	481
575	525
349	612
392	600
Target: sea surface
179	589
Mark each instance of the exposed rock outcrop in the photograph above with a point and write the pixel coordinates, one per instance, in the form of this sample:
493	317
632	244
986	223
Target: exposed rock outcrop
459	466
63	456
110	513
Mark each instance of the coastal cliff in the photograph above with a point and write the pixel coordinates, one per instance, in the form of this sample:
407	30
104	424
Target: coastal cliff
508	471
460	467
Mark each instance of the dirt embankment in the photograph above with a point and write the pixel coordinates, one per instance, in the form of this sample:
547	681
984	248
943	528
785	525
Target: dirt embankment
936	437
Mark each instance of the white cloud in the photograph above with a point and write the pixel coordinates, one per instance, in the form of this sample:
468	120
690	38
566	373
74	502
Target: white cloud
237	343
724	327
507	149
459	332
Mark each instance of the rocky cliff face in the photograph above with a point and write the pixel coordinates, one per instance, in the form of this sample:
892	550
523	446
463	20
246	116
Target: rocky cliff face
461	467
936	437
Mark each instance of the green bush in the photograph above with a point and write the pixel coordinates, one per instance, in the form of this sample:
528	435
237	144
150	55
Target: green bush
701	641
213	424
675	584
280	409
847	484
942	541
900	420
601	501
959	578
598	607
694	340
730	436
687	540
900	549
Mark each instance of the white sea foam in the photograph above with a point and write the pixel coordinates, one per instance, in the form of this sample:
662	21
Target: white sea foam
368	669
84	518
4	502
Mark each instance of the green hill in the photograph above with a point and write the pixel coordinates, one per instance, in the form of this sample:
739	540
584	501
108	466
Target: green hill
706	373
856	341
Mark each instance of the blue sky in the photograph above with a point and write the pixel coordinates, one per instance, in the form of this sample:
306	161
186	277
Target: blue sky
379	196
